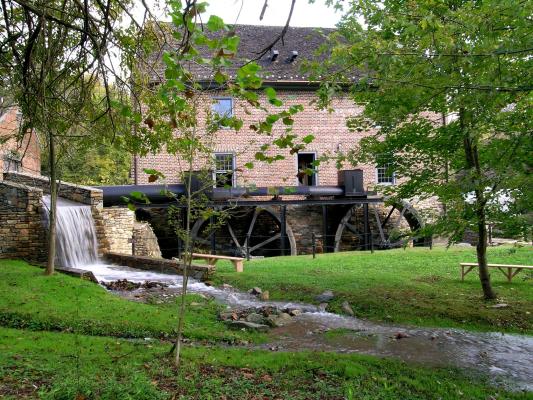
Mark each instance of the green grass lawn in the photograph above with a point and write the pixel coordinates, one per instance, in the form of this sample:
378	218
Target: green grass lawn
68	366
414	286
76	341
31	300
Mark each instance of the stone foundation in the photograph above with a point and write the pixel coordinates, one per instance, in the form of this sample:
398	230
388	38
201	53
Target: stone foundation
197	271
304	221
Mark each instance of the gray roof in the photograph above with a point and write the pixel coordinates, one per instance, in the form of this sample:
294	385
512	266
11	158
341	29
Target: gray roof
253	39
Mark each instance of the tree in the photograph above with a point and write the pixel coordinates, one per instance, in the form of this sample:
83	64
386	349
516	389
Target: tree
54	58
446	87
93	161
176	115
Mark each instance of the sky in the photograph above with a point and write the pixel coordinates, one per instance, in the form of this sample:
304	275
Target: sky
248	12
305	14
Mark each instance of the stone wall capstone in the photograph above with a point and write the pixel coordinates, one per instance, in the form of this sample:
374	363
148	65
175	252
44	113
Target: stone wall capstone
196	271
81	194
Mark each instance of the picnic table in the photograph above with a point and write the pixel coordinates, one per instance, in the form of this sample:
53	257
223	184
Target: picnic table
509	270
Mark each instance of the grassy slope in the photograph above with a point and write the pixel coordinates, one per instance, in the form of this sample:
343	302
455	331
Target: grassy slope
60	365
28	299
416	286
111	368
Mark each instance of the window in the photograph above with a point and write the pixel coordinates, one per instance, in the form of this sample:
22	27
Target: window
305	166
222	107
224	174
385	171
12	162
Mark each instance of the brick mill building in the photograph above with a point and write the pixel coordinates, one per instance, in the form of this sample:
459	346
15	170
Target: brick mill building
17	155
322	215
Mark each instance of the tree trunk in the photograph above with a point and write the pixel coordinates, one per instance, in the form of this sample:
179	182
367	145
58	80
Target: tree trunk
50	265
472	161
481	250
187	258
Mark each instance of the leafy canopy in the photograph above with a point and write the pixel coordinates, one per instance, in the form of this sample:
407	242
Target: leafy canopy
434	75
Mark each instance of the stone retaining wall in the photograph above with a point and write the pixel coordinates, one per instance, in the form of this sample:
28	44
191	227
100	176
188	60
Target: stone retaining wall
22	234
80	194
145	241
198	271
115	230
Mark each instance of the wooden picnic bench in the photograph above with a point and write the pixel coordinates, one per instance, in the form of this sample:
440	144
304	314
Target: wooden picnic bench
509	274
212	259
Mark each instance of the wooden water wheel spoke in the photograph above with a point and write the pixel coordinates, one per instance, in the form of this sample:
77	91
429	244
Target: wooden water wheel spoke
352	228
388	216
381	232
399	220
234	237
257	211
257	246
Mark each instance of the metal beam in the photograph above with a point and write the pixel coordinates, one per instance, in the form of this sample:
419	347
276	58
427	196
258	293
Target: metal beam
255	203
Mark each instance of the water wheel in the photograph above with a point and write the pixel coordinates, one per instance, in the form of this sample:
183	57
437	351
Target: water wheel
257	229
385	230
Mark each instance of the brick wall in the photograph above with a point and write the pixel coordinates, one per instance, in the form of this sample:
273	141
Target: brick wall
329	129
27	149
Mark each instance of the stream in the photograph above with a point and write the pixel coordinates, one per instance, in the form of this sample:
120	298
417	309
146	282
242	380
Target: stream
506	358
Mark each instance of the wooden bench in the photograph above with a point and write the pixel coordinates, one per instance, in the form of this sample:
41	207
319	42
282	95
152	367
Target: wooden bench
509	274
212	259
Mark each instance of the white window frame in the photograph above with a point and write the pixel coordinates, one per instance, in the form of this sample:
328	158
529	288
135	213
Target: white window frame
233	166
393	176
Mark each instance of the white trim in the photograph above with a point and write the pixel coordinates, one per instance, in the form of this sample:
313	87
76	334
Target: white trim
376	175
233	166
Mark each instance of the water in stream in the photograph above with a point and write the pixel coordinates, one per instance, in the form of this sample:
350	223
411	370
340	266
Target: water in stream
505	357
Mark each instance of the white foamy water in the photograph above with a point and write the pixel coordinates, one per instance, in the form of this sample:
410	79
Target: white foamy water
76	244
109	272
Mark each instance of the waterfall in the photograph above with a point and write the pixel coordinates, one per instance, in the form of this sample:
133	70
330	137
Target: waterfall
76	244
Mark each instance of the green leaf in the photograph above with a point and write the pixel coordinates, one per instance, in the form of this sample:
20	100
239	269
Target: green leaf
270	93
288	121
139	196
308	139
215	23
220	78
